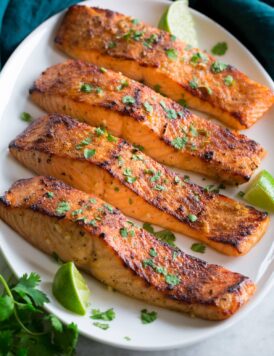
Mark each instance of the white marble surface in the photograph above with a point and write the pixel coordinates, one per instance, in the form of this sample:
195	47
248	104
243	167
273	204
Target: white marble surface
253	336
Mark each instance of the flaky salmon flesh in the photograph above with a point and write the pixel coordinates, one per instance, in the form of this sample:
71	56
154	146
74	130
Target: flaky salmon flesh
161	61
82	228
94	161
168	132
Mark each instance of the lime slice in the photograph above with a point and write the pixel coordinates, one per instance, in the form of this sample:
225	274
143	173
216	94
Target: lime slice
70	289
261	191
178	21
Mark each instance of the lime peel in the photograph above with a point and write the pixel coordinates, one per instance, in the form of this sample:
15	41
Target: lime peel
261	191
70	289
178	21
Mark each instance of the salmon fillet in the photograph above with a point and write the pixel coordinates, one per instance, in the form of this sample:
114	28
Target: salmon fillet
99	239
158	59
168	132
94	161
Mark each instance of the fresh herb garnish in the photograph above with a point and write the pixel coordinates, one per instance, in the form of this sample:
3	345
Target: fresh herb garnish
129	178
228	80
159	187
86	88
218	67
127	338
89	153
124	84
25	327
108	315
103	70
193	130
240	194
148	107
83	143
219	49
102	326
100	131
148	317
156	176
192	217
183	103
129	100
111	138
135	21
111	44
152	252
172	279
198	247
138	147
62	207
172	53
25	116
123	232
157	88
197	58
163	235
148	42
194	83
50	195
179	142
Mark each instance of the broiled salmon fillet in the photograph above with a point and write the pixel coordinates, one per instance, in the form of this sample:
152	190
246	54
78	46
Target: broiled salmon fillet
99	239
167	131
94	161
158	59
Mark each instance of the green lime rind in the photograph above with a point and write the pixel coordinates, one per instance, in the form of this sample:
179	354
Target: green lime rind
178	21
261	191
70	289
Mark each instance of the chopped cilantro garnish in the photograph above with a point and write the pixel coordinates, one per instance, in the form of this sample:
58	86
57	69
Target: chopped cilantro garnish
152	252
108	315
193	130
156	176
49	195
83	143
197	58
116	189
127	338
192	217
102	326
103	70
111	138
77	212
25	116
62	207
92	223
228	80
124	84
92	200
129	100
135	21
172	53
194	83
148	42
186	178
157	88
111	44
159	187
173	38
148	107
240	194
166	236
109	208
172	279
123	232
100	131
89	153
219	49
171	114
138	147
148	227
198	247
177	180
148	317
182	102
218	67
179	142
86	88
136	157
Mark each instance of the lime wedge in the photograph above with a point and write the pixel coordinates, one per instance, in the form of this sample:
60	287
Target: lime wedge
261	191
70	289
178	21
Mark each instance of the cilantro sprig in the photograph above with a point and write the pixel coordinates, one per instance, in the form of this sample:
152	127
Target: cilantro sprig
25	328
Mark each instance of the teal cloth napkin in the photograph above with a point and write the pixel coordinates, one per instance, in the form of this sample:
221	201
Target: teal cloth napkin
251	21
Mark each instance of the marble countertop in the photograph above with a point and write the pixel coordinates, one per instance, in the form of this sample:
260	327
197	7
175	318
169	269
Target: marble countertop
253	336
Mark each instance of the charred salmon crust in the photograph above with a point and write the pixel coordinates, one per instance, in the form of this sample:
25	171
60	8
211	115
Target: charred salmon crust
84	229
168	132
147	54
94	161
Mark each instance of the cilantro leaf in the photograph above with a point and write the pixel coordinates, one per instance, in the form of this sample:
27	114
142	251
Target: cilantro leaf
166	236
219	49
108	315
25	288
148	317
6	307
198	247
148	227
102	326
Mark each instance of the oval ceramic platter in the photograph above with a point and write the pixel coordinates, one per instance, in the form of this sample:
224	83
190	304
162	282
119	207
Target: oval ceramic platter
171	329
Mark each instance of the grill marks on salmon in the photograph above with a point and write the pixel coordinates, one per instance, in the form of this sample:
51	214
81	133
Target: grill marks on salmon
147	54
94	161
80	227
168	132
